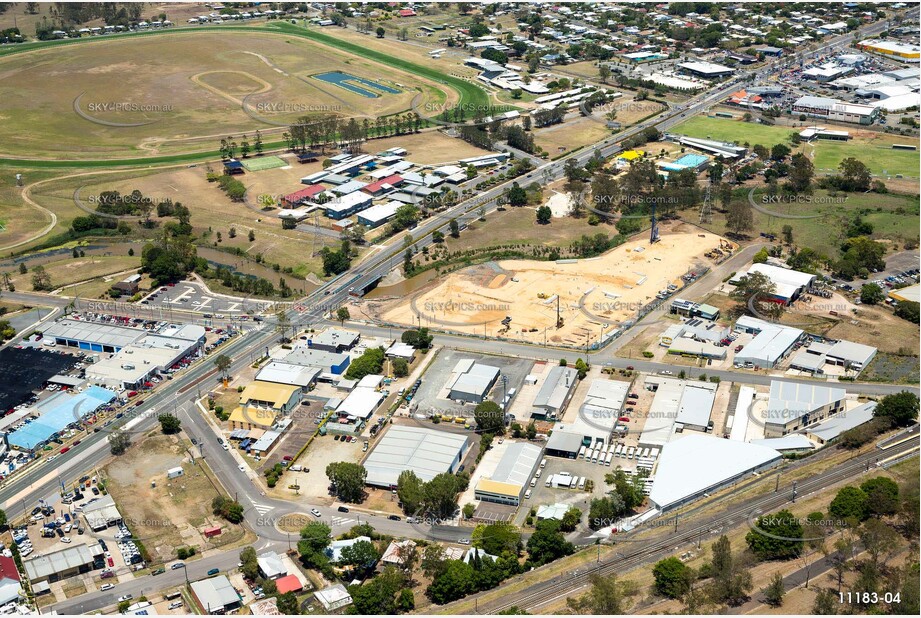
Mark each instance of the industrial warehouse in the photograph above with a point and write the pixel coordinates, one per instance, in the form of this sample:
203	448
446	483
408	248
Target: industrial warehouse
425	452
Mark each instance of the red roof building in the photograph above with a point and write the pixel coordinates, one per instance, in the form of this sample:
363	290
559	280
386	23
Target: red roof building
288	583
374	188
8	569
407	13
299	197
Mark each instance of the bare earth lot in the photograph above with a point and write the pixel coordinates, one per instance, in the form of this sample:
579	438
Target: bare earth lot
593	293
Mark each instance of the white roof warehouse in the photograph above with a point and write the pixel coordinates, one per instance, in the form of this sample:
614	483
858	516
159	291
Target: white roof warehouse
427	452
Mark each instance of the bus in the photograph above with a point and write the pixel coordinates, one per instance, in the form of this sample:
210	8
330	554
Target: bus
630	452
607	460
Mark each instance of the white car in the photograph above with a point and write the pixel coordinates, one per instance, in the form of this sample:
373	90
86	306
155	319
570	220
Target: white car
125	597
464	541
315	513
105	587
242	468
65	539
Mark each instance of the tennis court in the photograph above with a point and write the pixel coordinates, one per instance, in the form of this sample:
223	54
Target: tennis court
264	163
352	83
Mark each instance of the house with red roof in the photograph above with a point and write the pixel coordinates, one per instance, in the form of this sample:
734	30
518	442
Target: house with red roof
288	583
407	13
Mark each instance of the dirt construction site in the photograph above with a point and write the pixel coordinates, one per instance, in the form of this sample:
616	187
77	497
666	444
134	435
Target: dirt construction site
592	297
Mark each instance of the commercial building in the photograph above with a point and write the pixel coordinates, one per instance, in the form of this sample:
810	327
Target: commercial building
849	354
696	465
690	309
330	363
772	343
133	365
555	392
835	110
279	372
911	293
705	69
677	405
64	564
725	150
360	404
128	286
56	413
216	595
92	336
427	452
262	402
564	443
334	340
789	284
472	381
346	205
102	514
903	52
507	483
793	406
831	428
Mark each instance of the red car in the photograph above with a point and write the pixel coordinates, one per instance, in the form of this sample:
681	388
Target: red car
624	419
138	402
287	458
132	393
65	449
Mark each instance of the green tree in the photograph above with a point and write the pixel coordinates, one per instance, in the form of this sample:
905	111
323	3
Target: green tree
498	538
377	596
454	228
739	217
349	479
826	603
849	503
548	543
41	280
773	593
787	233
169	424
380	32
287	604
900	409
315	537
455	581
439	496
908	310
543	215
223	363
409	491
362	555
489	417
673	578
119	441
342	314
250	566
731	581
882	496
871	294
400	368
771	537
606	596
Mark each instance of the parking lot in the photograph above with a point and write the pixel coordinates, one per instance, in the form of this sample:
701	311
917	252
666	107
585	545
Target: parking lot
542	495
194	297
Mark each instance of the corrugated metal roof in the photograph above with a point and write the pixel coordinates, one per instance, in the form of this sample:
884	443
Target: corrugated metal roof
427	452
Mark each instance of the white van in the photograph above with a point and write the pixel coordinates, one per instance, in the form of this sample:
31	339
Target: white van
538	473
527	495
543	464
534	482
582	483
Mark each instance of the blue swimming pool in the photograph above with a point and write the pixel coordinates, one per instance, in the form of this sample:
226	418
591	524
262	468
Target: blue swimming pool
354	84
691	160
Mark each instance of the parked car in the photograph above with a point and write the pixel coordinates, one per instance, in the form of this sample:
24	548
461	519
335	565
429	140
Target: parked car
213	572
105	587
316	513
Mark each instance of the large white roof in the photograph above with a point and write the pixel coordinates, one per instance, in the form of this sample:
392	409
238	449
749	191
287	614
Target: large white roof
696	464
789	400
427	452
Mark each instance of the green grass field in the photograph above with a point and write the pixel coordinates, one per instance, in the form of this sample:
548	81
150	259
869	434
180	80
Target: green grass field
893	216
195	99
264	163
876	153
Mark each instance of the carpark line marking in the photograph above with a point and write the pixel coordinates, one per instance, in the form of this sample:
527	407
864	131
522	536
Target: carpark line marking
205	302
234	307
